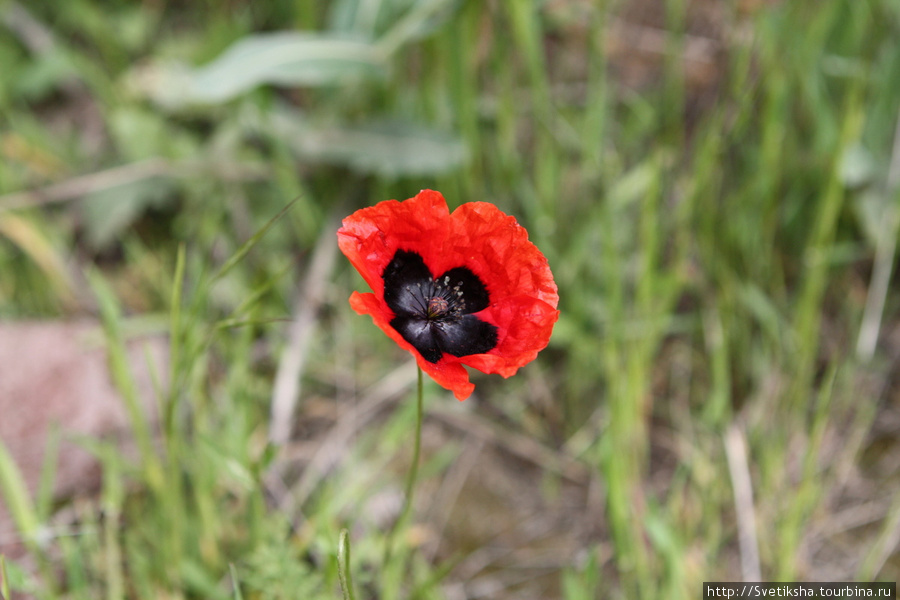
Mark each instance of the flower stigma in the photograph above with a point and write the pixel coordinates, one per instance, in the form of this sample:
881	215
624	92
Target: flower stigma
437	307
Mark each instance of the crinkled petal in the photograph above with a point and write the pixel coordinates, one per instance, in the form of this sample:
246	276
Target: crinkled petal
448	372
478	236
371	236
525	325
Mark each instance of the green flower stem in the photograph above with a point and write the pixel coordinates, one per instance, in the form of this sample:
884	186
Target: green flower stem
344	573
411	476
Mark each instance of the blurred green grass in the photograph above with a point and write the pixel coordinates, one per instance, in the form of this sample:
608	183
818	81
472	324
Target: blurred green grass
714	184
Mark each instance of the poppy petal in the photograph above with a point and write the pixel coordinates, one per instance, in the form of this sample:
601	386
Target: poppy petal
449	375
371	236
491	304
470	335
470	287
525	326
403	275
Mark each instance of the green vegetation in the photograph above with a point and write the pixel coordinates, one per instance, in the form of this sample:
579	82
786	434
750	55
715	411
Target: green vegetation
715	185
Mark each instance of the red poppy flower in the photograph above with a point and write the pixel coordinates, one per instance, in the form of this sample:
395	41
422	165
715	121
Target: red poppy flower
466	288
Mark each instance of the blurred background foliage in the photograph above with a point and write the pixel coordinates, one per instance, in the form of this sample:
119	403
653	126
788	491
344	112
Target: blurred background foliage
714	183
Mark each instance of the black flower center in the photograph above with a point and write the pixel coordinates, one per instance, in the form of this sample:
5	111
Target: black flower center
434	314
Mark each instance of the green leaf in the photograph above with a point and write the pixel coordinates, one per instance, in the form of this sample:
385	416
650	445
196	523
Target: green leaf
108	212
395	22
279	58
857	166
386	148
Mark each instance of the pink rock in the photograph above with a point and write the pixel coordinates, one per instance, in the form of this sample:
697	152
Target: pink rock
55	374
